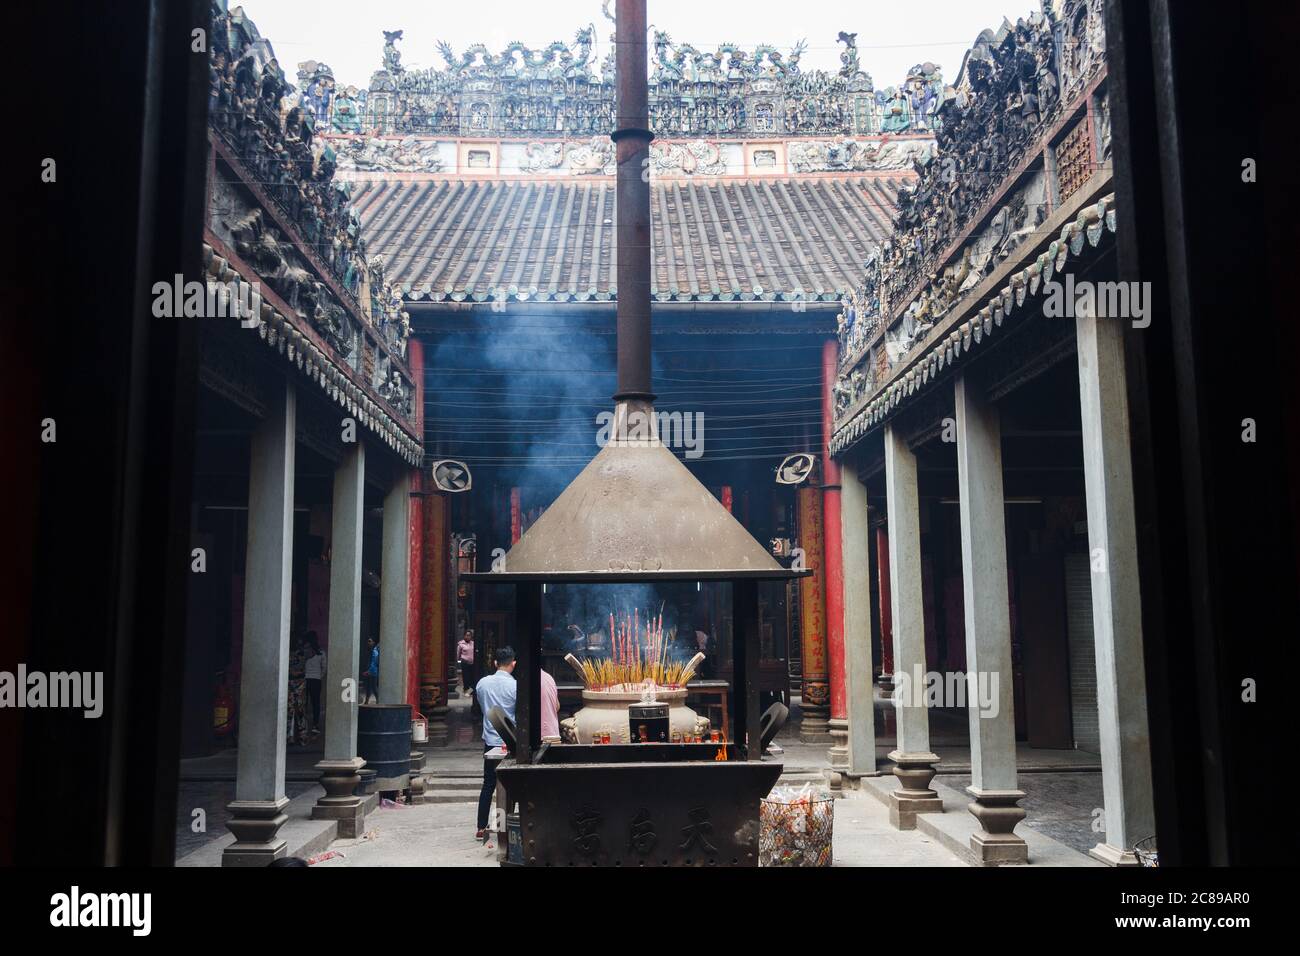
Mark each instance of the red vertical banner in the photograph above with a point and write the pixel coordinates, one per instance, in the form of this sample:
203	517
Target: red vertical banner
834	549
433	619
812	601
516	518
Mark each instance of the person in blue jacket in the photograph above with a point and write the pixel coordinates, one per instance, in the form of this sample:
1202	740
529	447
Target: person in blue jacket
370	685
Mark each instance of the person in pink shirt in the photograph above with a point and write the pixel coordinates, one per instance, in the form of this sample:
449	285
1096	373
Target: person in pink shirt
550	708
465	657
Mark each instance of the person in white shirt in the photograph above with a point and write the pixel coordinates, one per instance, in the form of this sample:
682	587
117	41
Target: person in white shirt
550	709
315	674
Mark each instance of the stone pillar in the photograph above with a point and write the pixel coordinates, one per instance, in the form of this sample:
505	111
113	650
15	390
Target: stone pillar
433	617
839	720
339	769
855	537
815	693
1116	601
257	812
394	577
988	627
913	760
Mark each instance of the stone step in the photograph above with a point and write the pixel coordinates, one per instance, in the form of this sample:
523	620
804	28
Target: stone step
450	796
443	783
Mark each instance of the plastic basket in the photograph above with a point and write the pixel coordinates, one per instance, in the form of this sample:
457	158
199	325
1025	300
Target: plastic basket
796	828
1145	851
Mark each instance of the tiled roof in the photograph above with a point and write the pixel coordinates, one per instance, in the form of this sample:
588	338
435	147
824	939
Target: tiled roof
769	238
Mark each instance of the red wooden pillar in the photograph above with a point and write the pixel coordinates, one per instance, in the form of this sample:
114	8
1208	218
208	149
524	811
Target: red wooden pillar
516	518
727	498
839	727
415	537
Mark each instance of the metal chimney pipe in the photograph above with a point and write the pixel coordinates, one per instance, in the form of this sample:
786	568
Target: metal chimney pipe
632	137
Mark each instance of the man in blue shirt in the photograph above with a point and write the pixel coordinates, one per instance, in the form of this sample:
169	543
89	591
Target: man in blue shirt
496	691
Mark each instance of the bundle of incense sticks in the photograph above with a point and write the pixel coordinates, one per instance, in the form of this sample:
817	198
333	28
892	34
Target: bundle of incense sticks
637	654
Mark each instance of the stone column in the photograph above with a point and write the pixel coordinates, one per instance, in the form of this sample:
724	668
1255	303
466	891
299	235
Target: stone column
988	628
834	563
257	812
815	693
1116	601
913	760
855	537
339	769
394	577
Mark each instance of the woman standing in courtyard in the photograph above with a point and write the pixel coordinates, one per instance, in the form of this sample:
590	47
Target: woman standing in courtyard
314	669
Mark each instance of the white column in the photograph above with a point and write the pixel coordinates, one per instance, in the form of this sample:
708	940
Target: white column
988	628
1116	602
855	536
341	691
257	812
393	592
913	761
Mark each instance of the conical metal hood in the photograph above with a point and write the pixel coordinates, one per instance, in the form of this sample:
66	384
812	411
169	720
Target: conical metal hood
636	512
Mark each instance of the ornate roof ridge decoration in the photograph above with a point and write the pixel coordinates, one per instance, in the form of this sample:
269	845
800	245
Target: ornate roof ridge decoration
1085	230
685	157
281	211
561	91
280	334
293	167
1012	87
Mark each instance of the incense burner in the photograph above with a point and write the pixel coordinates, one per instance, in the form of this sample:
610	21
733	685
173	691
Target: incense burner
608	710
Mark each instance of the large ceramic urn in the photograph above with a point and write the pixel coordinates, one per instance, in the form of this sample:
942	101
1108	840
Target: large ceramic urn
608	710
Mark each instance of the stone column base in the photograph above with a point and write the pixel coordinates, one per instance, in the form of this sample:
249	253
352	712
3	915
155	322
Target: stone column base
1113	856
340	779
415	792
914	772
438	731
255	824
838	755
998	815
814	725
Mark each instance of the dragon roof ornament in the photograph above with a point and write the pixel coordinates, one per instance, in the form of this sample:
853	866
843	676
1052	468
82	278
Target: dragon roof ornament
567	90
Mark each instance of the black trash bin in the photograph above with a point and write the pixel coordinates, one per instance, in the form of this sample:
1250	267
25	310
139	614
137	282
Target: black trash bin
384	743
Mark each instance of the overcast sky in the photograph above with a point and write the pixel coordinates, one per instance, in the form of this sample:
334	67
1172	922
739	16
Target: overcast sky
892	36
